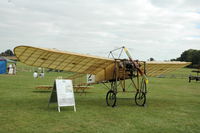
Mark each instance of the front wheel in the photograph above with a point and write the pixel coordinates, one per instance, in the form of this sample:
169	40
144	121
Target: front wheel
140	98
111	98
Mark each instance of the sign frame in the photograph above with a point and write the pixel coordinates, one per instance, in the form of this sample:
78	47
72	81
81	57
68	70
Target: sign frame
63	94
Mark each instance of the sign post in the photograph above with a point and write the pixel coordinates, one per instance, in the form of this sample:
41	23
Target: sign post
63	93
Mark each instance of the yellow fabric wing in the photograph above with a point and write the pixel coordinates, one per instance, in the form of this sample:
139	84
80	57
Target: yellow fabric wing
158	68
60	60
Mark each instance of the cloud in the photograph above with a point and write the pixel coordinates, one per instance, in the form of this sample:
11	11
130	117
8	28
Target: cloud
149	28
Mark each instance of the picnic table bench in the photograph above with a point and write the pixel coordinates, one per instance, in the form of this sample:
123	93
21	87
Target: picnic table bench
44	87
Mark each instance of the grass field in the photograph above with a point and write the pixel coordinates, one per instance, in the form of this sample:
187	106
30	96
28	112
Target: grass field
173	106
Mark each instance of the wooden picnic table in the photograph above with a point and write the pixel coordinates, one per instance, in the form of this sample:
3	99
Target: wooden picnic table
76	88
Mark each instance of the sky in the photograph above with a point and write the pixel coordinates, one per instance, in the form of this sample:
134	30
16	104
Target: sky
161	29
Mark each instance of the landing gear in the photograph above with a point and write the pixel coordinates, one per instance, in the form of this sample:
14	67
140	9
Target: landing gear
122	70
140	96
111	98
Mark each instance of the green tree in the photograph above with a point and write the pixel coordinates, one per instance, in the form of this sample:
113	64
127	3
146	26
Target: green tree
151	59
7	53
191	55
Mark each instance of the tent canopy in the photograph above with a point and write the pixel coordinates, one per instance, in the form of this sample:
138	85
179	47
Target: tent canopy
3	65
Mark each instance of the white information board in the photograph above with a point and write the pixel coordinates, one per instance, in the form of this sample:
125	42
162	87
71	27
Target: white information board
65	93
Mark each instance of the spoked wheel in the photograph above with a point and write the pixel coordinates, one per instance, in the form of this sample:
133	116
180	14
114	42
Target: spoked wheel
140	98
111	98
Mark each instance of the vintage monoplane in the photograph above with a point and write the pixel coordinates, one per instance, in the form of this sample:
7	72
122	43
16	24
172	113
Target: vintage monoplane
114	71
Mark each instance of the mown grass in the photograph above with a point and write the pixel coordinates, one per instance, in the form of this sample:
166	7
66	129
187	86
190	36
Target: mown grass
173	105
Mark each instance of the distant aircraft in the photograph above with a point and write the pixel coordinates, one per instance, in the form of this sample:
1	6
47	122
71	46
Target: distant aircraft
114	71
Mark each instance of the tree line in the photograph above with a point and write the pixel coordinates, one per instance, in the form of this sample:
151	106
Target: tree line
191	55
7	53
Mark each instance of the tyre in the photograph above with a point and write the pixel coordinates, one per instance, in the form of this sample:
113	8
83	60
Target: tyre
111	98
140	98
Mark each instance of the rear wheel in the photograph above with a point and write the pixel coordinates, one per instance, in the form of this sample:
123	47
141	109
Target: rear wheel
111	98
